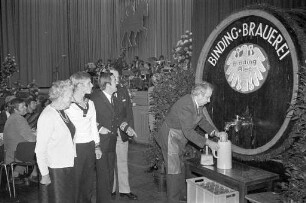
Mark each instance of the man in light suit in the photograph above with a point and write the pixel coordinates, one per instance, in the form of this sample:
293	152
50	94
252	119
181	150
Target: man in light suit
107	127
124	116
179	128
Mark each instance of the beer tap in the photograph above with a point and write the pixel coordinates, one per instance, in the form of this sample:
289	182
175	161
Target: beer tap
238	123
232	123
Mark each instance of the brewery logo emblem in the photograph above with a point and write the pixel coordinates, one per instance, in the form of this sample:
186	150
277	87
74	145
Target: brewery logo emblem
246	68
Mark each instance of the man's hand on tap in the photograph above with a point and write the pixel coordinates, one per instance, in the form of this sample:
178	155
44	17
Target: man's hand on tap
221	135
212	145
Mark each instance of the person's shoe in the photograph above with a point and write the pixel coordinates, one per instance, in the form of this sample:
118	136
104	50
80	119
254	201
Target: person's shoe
113	195
130	196
183	199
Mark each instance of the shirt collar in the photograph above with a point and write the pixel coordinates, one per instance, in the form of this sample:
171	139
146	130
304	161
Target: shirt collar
7	114
196	105
108	96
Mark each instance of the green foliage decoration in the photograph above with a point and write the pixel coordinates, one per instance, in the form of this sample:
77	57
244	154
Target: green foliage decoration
168	88
8	68
182	52
294	159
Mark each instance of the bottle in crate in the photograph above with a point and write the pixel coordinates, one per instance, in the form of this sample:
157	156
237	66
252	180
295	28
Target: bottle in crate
204	190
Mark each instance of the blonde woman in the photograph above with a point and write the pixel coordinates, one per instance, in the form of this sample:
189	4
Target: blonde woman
82	113
55	148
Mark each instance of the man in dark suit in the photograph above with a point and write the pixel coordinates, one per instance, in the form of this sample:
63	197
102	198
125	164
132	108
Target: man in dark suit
124	116
178	129
107	127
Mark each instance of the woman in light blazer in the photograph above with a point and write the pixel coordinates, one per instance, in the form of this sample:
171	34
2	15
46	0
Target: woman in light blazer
55	148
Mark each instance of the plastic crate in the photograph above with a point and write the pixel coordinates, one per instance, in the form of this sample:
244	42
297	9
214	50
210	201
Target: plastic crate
203	190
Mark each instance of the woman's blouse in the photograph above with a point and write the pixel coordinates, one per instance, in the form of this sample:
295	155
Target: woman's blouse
55	147
85	122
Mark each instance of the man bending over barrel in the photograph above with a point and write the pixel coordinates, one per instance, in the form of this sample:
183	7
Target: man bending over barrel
178	129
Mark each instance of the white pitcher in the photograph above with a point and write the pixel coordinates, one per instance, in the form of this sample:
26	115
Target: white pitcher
224	155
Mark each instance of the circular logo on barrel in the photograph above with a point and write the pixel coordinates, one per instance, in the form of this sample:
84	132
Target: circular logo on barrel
246	68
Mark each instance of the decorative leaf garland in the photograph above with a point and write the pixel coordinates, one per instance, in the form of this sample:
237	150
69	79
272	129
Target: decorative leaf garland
294	159
168	89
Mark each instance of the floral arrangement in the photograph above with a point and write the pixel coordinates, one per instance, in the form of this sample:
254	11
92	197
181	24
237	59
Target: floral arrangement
182	53
8	68
33	89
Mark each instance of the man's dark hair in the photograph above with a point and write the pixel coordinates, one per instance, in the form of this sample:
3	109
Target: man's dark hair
104	79
29	100
12	105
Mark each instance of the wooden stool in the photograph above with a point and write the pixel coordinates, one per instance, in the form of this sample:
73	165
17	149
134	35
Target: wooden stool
264	197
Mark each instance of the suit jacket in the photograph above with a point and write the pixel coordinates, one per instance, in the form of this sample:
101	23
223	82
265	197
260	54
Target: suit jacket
32	119
123	109
185	116
3	118
106	118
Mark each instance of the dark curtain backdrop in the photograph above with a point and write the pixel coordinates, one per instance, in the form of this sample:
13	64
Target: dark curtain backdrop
47	36
207	14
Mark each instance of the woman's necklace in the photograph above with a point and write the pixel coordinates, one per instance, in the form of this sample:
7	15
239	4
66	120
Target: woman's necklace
83	103
83	106
63	115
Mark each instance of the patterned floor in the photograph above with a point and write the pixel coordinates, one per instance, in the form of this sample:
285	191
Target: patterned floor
142	183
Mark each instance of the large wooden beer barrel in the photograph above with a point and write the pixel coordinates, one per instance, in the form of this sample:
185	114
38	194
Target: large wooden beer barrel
253	58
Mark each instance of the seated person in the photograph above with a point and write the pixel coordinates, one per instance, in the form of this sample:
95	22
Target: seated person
32	112
4	116
42	102
16	130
